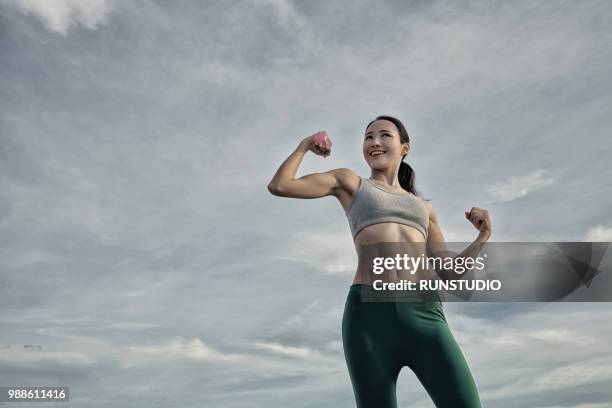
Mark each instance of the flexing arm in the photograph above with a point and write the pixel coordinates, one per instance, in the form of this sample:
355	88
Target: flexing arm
284	183
436	244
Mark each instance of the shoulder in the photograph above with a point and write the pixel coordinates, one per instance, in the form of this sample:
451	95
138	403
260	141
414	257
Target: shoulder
347	179
344	172
345	176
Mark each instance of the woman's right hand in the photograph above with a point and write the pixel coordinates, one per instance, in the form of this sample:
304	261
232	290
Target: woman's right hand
319	143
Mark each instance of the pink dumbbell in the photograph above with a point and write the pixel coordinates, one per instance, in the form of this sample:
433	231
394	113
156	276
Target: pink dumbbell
321	138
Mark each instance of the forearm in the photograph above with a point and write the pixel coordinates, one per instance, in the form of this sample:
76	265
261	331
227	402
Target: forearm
287	171
471	251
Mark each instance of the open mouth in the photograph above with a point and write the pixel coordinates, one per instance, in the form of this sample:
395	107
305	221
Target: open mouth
377	153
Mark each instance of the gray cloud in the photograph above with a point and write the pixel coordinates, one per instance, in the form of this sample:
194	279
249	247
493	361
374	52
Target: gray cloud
137	139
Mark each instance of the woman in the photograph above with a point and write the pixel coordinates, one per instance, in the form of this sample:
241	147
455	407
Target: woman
380	338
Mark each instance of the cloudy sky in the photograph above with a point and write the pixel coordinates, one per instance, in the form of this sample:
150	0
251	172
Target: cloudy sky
143	261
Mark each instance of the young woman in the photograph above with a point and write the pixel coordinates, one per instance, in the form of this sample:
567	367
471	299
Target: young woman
380	338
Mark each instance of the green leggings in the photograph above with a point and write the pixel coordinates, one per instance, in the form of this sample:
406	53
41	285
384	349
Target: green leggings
380	338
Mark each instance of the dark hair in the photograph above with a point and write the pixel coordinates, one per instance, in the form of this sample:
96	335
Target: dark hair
405	173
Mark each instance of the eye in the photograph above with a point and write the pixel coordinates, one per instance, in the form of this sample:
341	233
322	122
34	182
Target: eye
368	136
386	134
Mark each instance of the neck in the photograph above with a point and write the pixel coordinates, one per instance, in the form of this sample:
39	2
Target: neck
386	177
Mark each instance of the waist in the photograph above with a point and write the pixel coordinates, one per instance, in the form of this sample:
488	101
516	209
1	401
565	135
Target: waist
370	293
392	261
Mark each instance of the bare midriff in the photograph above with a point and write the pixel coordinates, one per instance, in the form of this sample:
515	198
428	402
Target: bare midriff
390	232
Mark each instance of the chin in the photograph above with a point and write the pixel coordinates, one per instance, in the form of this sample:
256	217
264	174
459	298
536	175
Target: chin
378	166
375	162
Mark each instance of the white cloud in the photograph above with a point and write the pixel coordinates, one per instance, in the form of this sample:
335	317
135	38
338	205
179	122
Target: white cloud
330	252
517	187
195	349
585	372
131	326
563	335
278	348
597	370
599	233
61	15
482	332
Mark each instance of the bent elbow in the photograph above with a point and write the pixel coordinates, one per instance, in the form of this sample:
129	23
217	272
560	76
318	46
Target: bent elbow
275	189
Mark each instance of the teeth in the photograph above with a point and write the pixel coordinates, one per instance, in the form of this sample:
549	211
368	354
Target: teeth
376	153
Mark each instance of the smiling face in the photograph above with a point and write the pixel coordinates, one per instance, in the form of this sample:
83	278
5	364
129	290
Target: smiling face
382	147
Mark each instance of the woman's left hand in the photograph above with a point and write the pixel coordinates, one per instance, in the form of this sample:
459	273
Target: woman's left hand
479	217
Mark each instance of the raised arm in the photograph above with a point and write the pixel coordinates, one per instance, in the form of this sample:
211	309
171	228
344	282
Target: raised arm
436	244
284	183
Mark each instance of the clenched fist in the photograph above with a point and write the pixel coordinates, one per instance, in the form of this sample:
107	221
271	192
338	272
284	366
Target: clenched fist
319	143
479	217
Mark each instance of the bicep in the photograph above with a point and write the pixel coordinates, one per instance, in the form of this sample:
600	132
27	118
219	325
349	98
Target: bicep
314	185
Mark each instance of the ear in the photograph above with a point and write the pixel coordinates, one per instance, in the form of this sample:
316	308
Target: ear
405	148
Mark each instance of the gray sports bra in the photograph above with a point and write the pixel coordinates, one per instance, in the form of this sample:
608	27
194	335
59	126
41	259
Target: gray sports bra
373	205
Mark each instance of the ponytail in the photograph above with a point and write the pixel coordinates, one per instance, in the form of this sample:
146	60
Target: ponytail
405	175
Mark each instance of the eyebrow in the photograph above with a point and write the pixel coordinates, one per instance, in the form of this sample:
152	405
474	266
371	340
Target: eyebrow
388	131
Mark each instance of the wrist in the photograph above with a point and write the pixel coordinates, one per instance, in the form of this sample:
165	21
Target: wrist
484	235
303	146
